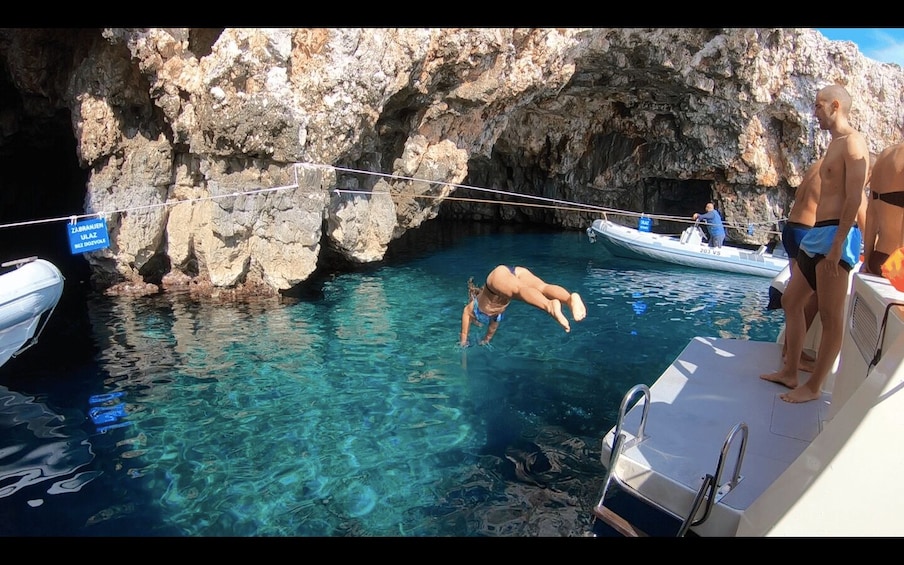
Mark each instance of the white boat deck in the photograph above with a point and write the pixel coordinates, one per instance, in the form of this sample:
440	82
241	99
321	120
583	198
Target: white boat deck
712	386
800	459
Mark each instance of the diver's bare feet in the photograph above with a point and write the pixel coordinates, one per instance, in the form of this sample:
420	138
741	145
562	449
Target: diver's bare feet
578	310
781	378
799	394
558	315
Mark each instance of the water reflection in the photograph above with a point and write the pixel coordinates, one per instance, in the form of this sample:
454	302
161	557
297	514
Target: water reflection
720	304
39	446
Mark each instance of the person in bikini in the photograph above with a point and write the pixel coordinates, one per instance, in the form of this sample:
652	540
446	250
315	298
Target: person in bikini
505	283
884	230
828	251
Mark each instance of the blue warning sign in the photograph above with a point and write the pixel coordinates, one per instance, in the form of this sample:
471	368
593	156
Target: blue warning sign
88	235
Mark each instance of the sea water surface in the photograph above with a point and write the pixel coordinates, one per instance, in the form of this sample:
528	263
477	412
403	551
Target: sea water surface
353	411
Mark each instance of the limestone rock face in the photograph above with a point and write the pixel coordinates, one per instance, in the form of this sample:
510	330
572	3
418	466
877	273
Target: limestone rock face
231	157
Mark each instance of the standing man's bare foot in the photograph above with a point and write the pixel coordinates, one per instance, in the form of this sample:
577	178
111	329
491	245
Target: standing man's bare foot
781	378
558	315
578	310
799	394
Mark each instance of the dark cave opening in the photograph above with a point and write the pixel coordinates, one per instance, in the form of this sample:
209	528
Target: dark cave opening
41	185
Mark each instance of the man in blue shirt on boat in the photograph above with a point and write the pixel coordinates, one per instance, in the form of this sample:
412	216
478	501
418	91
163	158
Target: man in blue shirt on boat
713	222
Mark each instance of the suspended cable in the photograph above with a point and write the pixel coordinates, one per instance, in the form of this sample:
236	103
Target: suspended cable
549	203
104	214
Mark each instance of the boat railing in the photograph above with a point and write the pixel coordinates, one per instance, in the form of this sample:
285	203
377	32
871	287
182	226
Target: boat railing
19	262
709	492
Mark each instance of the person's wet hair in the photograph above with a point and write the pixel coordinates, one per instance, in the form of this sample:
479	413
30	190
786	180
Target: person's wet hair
473	290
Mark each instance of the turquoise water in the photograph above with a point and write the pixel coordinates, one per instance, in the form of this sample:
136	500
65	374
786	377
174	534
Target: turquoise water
354	412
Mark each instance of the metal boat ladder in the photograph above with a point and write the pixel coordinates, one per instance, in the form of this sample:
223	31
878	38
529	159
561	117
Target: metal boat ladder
708	494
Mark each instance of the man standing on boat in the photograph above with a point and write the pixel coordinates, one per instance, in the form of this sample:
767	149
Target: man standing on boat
833	242
800	220
714	224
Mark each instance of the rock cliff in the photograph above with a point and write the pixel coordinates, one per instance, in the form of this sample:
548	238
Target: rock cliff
229	159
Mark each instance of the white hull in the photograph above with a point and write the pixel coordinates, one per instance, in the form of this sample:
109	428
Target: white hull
826	467
688	250
28	294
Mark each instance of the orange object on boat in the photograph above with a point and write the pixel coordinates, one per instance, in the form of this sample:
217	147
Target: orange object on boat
893	269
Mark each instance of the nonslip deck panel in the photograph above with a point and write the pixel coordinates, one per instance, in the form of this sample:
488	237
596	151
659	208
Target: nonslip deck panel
712	386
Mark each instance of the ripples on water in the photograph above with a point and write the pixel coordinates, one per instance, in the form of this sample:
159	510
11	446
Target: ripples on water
355	414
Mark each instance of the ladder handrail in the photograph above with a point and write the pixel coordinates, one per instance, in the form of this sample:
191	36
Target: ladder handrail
709	489
707	485
623	410
736	475
618	440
